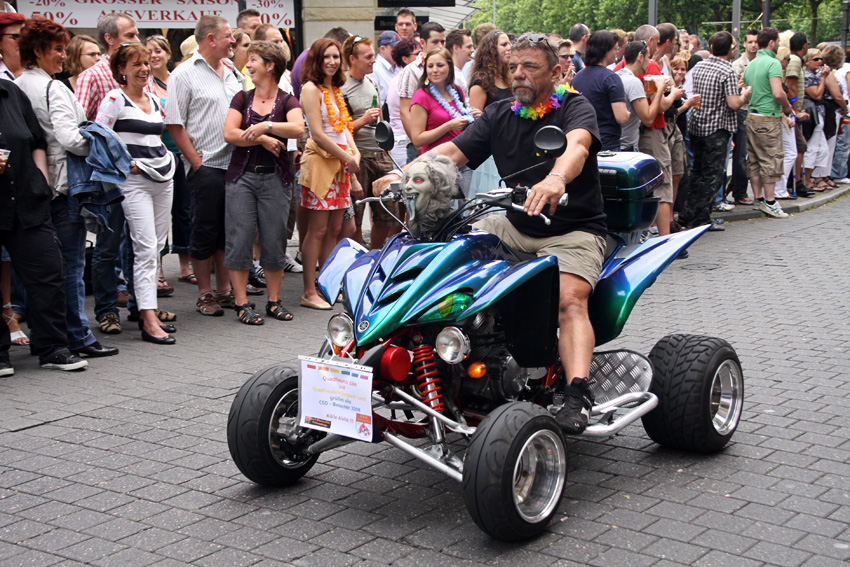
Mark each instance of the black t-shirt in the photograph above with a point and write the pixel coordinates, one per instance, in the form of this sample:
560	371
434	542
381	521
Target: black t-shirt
509	139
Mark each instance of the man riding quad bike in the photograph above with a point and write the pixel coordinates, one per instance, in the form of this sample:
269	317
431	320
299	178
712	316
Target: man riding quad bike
487	330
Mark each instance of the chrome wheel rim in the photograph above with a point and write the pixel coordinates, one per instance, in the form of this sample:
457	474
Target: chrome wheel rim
539	475
285	411
726	397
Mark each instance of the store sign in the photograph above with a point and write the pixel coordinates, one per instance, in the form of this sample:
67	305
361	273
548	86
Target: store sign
155	13
388	22
415	3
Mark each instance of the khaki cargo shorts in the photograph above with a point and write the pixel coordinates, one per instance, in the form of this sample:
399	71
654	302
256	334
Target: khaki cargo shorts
765	153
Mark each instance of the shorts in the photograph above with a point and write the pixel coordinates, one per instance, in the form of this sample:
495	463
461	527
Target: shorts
654	143
579	253
257	203
765	153
374	165
676	143
206	186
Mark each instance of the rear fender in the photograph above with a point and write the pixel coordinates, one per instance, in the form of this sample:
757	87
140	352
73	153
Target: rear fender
627	274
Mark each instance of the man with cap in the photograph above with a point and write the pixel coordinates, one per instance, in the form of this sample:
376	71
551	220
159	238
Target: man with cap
385	68
10	30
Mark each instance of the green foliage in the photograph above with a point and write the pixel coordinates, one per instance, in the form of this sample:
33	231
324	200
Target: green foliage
545	16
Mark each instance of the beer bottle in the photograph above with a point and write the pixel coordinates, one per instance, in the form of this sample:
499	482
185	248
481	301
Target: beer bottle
374	105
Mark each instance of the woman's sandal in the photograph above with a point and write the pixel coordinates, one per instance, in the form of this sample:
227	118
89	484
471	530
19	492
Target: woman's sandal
163	289
18	337
248	315
278	311
165	316
188	278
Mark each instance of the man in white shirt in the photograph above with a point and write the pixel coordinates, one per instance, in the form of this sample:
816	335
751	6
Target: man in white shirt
385	68
459	42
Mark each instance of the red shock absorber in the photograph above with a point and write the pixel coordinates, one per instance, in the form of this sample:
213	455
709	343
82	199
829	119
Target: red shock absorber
425	370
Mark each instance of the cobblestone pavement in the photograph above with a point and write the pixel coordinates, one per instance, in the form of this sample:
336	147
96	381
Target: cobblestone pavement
126	463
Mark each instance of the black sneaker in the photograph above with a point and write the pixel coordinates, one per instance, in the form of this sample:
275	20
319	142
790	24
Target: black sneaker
578	400
64	360
6	368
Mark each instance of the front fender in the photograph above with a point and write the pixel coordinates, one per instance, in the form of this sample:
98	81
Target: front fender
341	258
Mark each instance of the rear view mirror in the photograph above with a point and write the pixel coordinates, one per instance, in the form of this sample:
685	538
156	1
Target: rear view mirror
550	141
384	136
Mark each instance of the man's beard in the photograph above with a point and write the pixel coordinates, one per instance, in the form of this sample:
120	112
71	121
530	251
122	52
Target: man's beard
524	99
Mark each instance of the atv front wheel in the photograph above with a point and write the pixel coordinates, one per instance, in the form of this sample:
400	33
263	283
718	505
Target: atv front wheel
700	389
514	472
262	426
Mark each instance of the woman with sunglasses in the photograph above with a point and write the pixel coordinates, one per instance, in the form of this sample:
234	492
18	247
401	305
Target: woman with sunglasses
835	109
181	206
490	81
136	116
10	32
565	58
818	149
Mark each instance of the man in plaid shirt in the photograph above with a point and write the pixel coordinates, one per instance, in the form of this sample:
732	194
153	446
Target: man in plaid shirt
710	125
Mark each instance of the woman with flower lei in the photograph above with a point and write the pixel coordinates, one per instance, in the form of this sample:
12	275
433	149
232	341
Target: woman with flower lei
329	159
438	110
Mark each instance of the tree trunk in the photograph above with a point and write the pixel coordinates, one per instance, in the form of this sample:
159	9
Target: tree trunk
815	4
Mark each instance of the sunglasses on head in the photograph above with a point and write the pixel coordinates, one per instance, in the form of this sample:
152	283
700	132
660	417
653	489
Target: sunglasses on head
536	39
157	36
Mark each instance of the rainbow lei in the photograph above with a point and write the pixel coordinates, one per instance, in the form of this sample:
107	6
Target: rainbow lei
542	109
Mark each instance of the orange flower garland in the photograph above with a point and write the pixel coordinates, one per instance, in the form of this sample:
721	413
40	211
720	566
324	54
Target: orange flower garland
338	123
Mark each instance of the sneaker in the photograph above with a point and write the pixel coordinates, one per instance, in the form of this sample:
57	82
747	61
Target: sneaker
123	298
252	290
207	305
225	299
723	207
744	201
773	210
6	368
110	324
578	400
843	180
290	265
64	360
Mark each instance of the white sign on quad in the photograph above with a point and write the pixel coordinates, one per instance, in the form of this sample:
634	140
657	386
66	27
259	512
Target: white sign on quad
336	397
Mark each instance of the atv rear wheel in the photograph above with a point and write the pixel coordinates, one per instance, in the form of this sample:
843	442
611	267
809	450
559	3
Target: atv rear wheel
262	421
700	389
514	472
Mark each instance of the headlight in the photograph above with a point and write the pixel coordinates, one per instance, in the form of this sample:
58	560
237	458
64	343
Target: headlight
341	330
452	345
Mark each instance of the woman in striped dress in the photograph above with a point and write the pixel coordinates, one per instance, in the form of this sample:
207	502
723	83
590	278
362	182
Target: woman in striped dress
136	116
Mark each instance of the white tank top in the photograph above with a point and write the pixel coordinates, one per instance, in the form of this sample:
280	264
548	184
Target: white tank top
337	137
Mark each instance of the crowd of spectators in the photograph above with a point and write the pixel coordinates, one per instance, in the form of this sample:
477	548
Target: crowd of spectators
220	158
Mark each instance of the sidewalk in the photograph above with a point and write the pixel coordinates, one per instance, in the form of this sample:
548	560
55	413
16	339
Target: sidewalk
747	212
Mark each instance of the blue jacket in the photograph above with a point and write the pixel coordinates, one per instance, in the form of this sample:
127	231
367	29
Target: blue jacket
94	180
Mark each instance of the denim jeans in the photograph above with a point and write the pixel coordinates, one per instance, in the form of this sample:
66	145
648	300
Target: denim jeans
721	191
107	253
707	173
739	158
842	152
71	231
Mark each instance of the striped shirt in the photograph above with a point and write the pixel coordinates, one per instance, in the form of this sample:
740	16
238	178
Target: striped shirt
198	100
95	82
140	131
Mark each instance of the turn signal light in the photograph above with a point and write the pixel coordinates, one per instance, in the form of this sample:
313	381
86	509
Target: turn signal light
477	370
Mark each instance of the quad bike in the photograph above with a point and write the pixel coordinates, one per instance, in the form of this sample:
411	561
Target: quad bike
452	332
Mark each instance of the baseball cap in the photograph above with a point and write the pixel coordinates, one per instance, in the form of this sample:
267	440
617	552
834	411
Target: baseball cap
388	38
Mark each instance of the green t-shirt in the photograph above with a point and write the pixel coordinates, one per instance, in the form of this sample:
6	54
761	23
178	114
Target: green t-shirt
757	75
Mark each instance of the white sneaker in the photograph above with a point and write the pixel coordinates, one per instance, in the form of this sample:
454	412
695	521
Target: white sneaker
843	180
773	210
724	207
290	265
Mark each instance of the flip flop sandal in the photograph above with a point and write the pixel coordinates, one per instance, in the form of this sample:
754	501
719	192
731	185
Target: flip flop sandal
163	289
248	316
189	279
278	311
18	337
